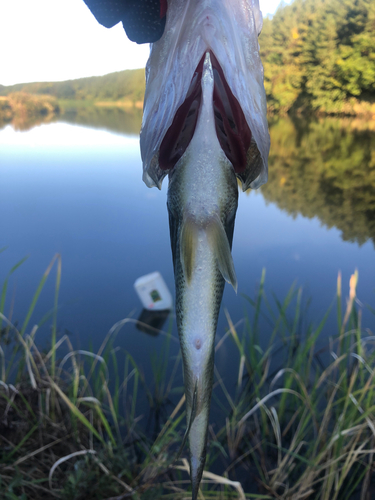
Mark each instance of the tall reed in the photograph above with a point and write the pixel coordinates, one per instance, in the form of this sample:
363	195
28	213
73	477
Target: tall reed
299	422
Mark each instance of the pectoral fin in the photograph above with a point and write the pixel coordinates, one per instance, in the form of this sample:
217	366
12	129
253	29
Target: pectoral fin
219	243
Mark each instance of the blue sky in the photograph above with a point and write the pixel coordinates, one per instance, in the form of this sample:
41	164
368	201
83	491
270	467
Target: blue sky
51	40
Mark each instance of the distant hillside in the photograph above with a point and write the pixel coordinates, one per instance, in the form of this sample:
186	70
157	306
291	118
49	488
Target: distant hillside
128	85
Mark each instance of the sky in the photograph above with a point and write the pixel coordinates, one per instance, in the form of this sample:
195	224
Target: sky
53	40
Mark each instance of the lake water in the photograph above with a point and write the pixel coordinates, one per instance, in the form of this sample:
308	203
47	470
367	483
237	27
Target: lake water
74	187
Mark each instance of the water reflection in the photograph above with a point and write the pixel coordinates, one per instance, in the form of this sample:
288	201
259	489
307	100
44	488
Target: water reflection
325	169
24	110
123	120
151	322
114	119
23	121
321	168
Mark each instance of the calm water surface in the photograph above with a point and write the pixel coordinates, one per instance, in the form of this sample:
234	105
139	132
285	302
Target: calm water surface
77	191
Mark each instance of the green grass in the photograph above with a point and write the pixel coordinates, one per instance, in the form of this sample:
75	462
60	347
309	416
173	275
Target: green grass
299	424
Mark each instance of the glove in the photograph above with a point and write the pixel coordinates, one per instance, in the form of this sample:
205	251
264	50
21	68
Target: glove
143	20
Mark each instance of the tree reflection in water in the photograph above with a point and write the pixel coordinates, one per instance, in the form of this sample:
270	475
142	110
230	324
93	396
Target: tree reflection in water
321	168
325	168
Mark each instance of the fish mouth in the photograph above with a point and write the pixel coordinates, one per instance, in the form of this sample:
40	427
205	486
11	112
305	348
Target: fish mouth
232	130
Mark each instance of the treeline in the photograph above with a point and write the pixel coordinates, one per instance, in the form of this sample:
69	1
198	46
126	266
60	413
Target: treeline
319	55
128	85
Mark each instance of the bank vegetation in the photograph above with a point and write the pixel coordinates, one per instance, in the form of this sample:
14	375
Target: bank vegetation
298	423
319	57
24	110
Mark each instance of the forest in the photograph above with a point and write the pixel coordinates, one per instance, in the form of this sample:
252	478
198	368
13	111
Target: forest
319	55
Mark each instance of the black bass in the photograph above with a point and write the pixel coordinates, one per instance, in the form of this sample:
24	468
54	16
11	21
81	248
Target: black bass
205	125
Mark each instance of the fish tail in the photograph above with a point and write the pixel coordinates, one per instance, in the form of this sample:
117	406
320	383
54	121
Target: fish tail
194	433
190	421
198	439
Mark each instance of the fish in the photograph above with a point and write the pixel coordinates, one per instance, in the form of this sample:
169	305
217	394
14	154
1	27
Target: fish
201	225
204	125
